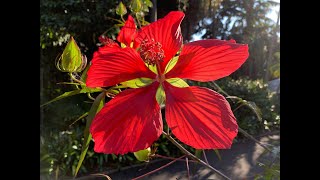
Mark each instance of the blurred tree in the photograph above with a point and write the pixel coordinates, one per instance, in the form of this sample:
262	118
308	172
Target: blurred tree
245	21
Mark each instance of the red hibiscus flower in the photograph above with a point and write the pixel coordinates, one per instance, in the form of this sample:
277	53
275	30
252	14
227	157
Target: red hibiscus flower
197	116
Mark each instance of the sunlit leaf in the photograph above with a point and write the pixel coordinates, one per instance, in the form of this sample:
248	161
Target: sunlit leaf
177	82
143	155
137	83
95	108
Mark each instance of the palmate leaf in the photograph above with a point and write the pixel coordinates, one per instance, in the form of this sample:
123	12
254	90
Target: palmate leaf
71	93
95	108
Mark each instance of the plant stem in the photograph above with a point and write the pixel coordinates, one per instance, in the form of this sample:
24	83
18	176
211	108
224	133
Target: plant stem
254	139
171	158
205	156
158	168
138	21
193	156
188	168
75	79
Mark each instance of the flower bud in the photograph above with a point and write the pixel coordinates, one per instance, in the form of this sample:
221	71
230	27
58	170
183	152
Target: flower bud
71	59
121	9
136	6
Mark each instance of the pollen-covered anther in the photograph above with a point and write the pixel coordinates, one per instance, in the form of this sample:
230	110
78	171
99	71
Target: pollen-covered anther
151	52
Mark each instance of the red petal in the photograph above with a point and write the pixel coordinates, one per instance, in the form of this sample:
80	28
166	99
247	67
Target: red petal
208	60
128	32
112	65
166	31
128	123
203	119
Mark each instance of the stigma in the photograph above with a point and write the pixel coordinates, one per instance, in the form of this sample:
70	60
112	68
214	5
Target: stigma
151	52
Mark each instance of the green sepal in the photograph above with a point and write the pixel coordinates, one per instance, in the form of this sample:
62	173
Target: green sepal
137	83
177	82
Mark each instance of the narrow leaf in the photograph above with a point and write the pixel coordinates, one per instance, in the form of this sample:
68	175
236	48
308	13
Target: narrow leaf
82	116
96	106
71	93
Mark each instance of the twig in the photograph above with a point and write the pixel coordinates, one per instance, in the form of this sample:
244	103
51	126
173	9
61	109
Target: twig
254	139
158	168
205	156
193	156
171	158
138	21
188	168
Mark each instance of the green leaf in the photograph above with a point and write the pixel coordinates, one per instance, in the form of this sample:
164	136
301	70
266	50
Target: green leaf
121	9
71	93
171	64
136	6
95	108
177	82
137	83
71	59
217	153
143	155
160	95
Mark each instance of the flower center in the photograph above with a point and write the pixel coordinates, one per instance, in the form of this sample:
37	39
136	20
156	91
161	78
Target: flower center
151	52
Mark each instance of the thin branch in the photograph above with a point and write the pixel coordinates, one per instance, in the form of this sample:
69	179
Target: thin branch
193	156
254	139
171	158
139	177
188	168
205	156
138	21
